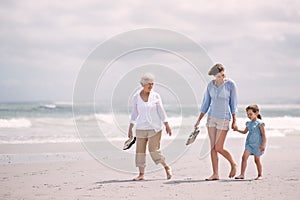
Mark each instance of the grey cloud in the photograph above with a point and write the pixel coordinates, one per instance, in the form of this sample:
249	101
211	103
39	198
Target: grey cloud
43	41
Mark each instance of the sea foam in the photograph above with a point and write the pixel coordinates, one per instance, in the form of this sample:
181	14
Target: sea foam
15	123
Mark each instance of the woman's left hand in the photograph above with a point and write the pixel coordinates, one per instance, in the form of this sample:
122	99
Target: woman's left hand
234	126
168	129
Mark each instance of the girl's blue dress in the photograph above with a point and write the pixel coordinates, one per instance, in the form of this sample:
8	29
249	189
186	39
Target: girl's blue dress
254	138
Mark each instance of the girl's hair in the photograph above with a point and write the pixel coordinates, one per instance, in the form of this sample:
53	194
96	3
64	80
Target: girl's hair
255	109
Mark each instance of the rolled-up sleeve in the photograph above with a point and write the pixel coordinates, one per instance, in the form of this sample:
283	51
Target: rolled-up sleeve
160	109
134	112
206	101
233	101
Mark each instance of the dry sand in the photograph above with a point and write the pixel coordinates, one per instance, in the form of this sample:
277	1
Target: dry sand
81	177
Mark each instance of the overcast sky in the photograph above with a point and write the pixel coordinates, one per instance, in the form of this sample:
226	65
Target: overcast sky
44	43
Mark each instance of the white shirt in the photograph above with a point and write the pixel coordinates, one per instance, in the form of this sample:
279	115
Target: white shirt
148	115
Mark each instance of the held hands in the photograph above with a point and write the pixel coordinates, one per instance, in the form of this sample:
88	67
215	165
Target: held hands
234	126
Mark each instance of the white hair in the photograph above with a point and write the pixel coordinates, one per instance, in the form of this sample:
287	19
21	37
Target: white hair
147	78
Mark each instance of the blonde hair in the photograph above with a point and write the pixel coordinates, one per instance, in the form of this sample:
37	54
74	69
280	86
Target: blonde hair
147	78
216	69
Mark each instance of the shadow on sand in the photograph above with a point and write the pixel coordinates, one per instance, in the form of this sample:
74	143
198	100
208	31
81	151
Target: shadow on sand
205	181
126	181
173	181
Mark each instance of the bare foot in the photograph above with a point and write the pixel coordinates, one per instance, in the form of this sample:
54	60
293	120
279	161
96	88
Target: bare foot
240	177
139	177
212	178
168	172
258	178
233	171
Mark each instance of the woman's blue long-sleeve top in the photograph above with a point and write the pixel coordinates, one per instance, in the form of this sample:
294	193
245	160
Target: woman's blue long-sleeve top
220	102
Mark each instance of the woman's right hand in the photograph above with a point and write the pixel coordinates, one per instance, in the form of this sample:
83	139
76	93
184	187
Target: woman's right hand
197	124
130	133
199	119
130	130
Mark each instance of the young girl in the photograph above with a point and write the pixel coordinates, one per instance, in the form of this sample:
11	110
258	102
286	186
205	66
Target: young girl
255	142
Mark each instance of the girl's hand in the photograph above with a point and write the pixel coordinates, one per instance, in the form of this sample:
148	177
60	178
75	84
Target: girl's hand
197	124
262	148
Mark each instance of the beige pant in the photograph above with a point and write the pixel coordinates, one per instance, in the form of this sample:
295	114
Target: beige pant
153	139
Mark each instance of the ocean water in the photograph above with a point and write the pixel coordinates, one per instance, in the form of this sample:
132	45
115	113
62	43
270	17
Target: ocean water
54	122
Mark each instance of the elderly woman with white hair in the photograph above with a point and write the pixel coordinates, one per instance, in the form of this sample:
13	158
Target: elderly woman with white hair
148	115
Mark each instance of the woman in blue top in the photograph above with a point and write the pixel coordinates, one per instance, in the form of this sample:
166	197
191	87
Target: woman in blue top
255	142
220	101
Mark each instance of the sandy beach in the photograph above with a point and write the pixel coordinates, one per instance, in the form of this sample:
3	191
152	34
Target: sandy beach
59	176
76	75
